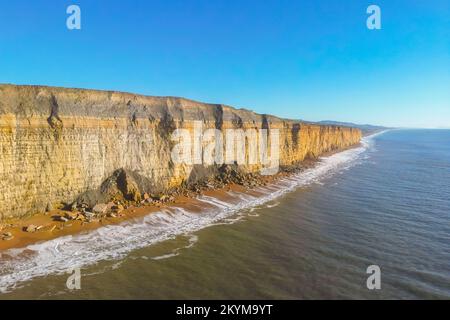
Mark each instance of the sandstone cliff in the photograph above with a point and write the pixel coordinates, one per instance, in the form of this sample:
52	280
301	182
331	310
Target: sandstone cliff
58	143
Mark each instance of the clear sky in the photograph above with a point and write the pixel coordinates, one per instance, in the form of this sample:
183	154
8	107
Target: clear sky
312	60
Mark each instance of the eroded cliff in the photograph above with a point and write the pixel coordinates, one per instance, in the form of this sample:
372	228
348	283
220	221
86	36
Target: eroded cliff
58	143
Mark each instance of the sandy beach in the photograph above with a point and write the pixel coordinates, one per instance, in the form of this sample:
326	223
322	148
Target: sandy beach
49	228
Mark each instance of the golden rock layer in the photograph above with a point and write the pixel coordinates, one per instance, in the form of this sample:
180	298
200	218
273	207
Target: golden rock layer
57	143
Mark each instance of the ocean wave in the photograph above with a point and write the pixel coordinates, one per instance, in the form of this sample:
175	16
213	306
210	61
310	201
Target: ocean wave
193	239
115	242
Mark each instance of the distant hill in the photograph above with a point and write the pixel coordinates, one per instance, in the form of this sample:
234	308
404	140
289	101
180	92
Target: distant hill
365	128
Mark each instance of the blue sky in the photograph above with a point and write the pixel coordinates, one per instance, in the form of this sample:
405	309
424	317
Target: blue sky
312	60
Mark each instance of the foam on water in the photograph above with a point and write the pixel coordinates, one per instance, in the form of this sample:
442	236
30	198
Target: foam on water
114	242
272	205
192	241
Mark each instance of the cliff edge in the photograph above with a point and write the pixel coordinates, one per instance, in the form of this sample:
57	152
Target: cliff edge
57	143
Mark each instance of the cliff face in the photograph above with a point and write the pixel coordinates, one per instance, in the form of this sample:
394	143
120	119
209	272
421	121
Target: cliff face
58	143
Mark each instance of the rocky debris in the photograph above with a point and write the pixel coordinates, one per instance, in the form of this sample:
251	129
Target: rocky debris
147	201
88	199
122	191
89	215
98	212
123	187
127	185
227	174
83	206
100	208
118	208
233	174
71	215
126	190
78	216
31	228
7	236
60	218
162	198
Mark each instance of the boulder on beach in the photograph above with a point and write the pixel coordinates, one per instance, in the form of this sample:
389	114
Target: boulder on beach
100	208
31	228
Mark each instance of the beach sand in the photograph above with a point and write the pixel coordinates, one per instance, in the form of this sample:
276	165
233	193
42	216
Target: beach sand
51	229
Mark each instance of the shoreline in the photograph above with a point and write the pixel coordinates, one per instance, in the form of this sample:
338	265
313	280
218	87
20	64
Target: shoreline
45	227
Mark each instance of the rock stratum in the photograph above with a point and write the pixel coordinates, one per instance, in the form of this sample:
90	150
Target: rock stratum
58	144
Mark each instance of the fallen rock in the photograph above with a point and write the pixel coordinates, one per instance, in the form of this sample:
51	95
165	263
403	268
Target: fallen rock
7	236
71	215
100	208
80	217
88	214
117	208
125	184
31	228
62	219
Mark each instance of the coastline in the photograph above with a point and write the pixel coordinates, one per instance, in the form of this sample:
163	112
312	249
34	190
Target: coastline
47	228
